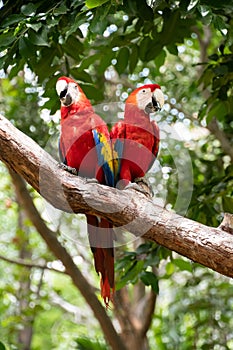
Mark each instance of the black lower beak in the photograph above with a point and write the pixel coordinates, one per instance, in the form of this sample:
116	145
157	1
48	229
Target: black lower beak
152	107
156	105
66	100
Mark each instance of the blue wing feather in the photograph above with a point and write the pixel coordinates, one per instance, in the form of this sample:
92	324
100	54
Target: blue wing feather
117	150
104	155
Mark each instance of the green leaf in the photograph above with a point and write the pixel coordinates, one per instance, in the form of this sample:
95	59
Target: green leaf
73	47
170	268
144	248
26	49
99	22
18	67
220	69
6	39
172	48
105	61
227	203
170	25
43	67
95	3
150	279
218	110
2	346
206	77
86	62
133	59
122	60
2	61
183	264
38	39
214	57
87	344
92	92
153	50
145	11
131	274
8	21
160	59
126	261
81	75
35	26
144	47
29	9
61	10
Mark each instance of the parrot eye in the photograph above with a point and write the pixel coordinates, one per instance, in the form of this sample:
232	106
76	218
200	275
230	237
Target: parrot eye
143	91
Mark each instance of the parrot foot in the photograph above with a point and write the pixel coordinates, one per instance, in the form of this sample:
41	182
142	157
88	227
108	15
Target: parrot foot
141	181
140	186
70	170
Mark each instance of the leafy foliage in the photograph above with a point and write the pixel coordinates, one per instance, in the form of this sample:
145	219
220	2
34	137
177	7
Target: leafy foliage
87	344
83	41
199	313
137	265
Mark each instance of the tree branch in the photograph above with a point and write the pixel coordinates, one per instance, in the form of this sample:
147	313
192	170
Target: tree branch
208	246
148	311
29	265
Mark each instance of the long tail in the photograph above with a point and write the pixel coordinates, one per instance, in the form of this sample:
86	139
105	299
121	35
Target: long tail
101	236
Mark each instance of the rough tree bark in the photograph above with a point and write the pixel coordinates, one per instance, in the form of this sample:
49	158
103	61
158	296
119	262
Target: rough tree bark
208	246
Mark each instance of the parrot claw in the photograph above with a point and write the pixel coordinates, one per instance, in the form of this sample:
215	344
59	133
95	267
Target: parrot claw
70	170
141	181
143	187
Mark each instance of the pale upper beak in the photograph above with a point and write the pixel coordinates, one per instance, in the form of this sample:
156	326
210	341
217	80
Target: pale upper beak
156	103
158	99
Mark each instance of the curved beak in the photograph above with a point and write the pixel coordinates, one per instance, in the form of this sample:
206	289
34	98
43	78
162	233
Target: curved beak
157	102
65	98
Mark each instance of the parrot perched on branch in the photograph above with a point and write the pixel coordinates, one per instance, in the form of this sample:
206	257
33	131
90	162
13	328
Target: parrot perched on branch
85	147
135	139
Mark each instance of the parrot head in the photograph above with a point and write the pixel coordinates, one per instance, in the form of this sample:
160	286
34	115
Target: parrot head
148	98
70	92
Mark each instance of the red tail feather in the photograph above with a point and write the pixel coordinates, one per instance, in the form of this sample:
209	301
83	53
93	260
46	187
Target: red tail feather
101	241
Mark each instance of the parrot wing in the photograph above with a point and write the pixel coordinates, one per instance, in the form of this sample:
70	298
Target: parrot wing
117	136
104	156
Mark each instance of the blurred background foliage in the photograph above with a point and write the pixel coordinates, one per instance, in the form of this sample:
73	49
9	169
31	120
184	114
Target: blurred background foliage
111	47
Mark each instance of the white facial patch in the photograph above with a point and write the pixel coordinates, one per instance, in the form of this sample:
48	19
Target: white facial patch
143	97
61	86
73	91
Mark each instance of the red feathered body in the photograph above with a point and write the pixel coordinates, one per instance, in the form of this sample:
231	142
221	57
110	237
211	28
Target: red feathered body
78	150
140	139
77	143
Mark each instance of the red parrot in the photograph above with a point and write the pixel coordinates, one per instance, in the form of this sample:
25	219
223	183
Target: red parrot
135	140
85	146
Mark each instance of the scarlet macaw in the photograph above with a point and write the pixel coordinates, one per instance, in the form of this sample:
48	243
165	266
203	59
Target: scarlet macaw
135	139
85	145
